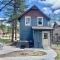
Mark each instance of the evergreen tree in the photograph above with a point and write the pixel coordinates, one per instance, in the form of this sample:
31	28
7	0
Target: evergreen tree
12	9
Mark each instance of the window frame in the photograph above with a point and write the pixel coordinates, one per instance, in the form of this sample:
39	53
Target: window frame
38	23
26	20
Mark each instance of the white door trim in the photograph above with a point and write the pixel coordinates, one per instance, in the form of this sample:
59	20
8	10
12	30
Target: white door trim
48	38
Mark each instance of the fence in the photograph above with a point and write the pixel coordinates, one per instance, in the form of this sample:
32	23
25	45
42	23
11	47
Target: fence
56	40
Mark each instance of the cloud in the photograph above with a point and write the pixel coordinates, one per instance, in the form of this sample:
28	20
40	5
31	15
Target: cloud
56	3
57	11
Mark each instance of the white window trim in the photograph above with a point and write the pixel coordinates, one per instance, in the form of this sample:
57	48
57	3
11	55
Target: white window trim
37	21
25	20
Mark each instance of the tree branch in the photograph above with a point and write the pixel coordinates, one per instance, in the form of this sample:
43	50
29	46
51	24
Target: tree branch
6	5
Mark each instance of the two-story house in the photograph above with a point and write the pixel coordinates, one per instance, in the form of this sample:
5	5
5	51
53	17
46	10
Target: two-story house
34	29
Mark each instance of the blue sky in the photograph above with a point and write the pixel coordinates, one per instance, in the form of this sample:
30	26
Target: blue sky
56	3
1	14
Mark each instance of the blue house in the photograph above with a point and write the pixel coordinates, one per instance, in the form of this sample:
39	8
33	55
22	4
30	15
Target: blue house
34	28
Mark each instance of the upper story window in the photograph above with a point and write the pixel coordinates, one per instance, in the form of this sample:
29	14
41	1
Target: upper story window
27	20
40	21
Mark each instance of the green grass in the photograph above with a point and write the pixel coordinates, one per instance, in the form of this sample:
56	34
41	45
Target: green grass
4	40
56	46
58	55
57	49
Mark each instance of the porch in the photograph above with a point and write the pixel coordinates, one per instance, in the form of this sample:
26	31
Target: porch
42	36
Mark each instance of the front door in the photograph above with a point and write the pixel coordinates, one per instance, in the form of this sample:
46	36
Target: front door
46	39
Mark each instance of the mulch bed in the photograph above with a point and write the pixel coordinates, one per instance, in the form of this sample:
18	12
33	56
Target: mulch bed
23	53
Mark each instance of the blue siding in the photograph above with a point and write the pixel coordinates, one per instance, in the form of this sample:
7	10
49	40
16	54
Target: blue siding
37	39
34	21
25	31
45	22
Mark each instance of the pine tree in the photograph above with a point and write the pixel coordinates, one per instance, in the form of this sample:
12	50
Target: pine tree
12	9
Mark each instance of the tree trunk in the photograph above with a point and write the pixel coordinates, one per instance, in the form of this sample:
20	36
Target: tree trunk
15	30
12	40
14	24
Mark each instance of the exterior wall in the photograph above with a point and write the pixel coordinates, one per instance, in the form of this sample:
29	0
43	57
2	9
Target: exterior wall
26	32
37	35
34	14
56	34
51	37
34	21
57	31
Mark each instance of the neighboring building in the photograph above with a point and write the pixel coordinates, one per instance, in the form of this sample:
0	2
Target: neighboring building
56	32
34	29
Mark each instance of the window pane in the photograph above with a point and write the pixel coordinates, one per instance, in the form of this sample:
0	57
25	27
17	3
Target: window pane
40	21
27	21
45	35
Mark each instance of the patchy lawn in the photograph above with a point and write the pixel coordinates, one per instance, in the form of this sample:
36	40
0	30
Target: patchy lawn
57	49
4	40
58	55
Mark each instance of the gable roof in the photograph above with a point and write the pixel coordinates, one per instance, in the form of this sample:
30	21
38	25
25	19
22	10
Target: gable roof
37	7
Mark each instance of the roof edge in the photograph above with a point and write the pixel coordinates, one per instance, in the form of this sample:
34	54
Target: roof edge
30	9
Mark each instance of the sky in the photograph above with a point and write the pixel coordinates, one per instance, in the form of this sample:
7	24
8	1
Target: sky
56	3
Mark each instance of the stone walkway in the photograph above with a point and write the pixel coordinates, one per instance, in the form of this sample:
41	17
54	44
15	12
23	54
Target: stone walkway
50	54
